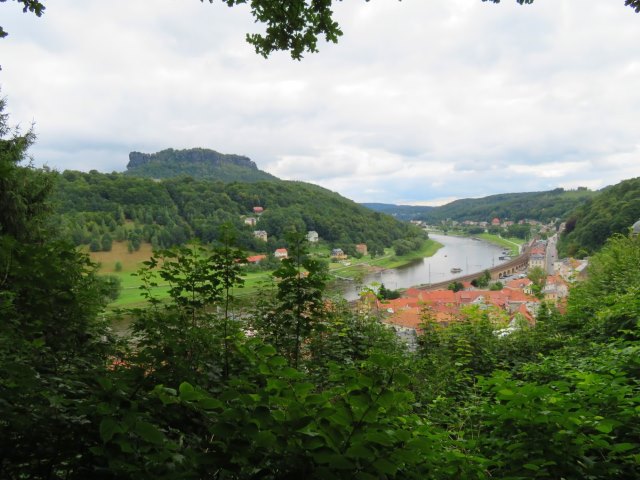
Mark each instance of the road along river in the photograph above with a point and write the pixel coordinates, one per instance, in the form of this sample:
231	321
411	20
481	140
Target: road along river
466	254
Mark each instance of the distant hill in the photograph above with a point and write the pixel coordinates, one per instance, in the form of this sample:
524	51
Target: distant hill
197	163
542	206
613	210
401	212
95	207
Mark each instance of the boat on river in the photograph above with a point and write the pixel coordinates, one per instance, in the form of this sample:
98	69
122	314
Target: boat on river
456	270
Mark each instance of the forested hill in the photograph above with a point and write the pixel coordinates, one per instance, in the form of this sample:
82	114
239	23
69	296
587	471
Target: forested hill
197	163
543	206
613	210
96	208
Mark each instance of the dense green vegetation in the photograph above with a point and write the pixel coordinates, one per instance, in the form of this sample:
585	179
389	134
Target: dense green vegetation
613	210
196	163
541	206
96	208
300	386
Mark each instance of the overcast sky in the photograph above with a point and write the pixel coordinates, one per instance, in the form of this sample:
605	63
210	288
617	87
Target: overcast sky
421	101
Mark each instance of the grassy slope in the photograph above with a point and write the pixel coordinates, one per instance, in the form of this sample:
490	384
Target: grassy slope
511	243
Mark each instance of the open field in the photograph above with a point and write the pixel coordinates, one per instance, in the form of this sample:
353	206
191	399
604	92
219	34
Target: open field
130	261
130	296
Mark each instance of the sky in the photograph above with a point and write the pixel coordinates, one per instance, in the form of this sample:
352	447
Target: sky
421	101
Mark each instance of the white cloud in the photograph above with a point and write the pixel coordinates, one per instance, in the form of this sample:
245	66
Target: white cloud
418	102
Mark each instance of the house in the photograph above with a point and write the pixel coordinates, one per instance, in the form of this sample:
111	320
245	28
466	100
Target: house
522	284
570	269
260	235
255	259
258	210
281	253
536	260
312	236
361	248
250	221
495	222
338	254
555	288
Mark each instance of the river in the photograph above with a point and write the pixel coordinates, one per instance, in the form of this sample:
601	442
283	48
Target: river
458	252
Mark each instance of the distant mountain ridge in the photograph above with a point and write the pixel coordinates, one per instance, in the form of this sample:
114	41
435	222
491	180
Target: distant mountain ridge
543	206
197	163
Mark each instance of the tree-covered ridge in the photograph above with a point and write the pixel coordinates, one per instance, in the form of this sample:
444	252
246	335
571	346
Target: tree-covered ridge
197	163
613	210
92	205
541	206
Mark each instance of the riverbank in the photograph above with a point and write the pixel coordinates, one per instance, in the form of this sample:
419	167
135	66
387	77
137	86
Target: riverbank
366	265
512	244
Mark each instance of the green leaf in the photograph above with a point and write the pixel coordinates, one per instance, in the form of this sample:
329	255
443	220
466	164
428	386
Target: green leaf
149	433
108	428
188	393
381	438
265	439
623	447
210	404
335	460
185	387
606	426
341	416
385	466
359	451
276	361
266	351
302	389
402	379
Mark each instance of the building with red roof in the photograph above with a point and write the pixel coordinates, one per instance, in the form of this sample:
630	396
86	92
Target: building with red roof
281	253
256	258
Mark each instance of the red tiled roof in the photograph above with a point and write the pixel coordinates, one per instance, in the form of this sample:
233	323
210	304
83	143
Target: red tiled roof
519	283
256	258
444	305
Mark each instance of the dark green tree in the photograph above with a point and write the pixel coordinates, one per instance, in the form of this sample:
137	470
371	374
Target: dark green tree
299	303
106	242
53	347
